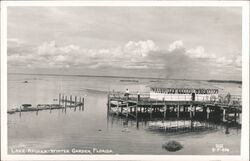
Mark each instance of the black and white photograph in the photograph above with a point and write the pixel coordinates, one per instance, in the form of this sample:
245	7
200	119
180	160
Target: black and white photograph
125	79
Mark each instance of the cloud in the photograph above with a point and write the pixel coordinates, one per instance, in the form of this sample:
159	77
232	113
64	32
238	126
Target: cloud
132	55
175	45
51	55
224	61
140	48
199	52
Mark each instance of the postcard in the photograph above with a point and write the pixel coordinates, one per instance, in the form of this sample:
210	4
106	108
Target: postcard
125	80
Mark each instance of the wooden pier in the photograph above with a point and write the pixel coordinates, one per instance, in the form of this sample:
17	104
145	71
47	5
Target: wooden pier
64	102
137	106
71	101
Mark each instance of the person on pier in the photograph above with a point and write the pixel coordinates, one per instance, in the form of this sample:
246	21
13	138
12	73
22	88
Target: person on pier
127	94
138	95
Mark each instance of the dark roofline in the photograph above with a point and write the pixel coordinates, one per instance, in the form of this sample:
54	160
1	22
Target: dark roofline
180	88
182	85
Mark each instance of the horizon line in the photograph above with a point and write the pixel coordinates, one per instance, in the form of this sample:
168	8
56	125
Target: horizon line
113	76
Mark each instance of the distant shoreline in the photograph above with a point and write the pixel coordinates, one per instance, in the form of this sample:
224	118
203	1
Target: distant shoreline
225	81
130	77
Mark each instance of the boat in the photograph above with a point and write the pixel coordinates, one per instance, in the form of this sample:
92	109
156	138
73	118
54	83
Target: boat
11	111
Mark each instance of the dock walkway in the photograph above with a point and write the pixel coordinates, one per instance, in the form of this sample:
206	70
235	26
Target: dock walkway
136	106
64	102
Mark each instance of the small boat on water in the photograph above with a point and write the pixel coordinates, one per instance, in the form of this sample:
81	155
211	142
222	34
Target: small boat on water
12	111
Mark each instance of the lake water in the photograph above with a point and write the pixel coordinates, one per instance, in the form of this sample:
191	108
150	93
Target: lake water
91	130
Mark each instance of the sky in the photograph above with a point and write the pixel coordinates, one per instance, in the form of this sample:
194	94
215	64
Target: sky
167	42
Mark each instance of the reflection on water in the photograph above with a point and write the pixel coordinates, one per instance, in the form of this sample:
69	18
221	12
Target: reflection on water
174	126
93	128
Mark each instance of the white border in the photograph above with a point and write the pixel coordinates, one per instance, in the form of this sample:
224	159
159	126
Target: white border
245	78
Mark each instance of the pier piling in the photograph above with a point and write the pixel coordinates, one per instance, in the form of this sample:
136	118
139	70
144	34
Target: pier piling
65	103
75	103
235	115
70	100
224	115
208	112
83	103
165	112
20	111
178	111
151	111
149	107
108	104
194	112
63	99
59	99
127	111
117	108
80	103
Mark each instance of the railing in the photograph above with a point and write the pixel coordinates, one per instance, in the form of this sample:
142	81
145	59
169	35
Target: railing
234	99
183	97
231	100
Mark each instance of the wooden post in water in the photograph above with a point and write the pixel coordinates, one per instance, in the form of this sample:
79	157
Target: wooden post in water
20	112
227	128
121	106
194	111
165	111
224	115
36	110
178	111
235	115
190	112
136	114
208	111
83	103
108	104
75	103
70	100
117	108
127	111
59	99
80	102
192	124
151	111
65	103
62	102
